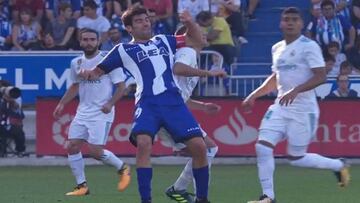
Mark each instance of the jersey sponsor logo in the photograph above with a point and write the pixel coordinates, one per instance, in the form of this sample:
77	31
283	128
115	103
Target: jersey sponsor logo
282	66
90	81
142	55
193	129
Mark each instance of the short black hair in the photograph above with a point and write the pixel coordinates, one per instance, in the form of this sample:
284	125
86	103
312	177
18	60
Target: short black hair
91	4
203	16
84	30
291	10
129	14
327	3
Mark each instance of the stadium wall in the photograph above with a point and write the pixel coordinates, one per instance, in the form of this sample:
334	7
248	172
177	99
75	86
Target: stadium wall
234	131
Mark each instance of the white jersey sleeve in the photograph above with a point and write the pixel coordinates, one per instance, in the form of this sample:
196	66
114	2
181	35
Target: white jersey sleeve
117	75
187	56
313	55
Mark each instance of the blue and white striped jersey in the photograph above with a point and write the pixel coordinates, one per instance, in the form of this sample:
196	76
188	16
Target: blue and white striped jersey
149	63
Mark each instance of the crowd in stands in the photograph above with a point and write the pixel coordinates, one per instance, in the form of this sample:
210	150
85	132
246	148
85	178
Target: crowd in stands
335	25
53	24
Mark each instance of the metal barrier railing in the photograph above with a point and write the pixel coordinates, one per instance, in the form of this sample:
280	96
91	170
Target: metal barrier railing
210	86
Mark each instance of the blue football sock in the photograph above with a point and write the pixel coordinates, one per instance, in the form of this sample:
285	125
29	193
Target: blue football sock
201	176
144	176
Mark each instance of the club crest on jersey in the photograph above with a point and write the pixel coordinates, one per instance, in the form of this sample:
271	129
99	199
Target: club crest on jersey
142	55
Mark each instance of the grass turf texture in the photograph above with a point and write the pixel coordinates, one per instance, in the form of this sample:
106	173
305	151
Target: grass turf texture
228	184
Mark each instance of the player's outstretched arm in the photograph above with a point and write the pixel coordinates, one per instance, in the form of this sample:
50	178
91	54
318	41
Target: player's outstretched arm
69	95
267	87
182	69
318	78
209	108
193	33
118	94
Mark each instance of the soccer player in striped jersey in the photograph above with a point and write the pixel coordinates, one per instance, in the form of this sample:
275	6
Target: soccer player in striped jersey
94	114
158	101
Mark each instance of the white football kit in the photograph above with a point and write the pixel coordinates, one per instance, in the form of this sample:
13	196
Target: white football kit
90	123
292	64
187	56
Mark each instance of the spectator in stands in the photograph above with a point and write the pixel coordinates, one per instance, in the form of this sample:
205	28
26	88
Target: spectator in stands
331	27
62	28
346	68
329	63
53	9
354	55
333	49
48	43
193	6
230	10
214	88
121	5
218	34
92	20
164	13
114	39
341	7
158	27
356	15
36	8
5	26
26	34
343	89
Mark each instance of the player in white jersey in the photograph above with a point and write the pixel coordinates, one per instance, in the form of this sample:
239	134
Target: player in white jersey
94	115
188	56
298	67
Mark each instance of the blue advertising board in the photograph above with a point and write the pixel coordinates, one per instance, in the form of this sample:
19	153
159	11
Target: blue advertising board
44	74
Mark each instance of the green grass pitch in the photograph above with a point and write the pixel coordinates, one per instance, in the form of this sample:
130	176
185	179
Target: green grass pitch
229	184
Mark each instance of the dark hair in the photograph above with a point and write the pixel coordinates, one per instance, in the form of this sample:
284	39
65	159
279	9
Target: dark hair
327	3
333	44
345	64
91	4
84	30
203	16
291	10
129	14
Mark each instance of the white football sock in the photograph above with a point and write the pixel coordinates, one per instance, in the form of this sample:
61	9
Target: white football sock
77	166
110	159
312	160
186	176
266	168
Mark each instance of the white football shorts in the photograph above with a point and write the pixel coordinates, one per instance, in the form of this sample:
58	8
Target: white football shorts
297	127
94	132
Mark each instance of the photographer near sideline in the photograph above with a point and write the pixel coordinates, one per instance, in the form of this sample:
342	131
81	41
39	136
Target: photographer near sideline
12	115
